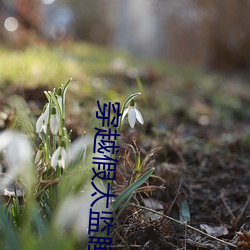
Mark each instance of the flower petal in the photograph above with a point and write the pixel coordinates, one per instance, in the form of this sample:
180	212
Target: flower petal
55	156
54	124
61	163
19	151
39	123
42	121
5	138
78	148
46	113
38	156
59	99
18	156
124	113
132	117
63	158
44	127
139	116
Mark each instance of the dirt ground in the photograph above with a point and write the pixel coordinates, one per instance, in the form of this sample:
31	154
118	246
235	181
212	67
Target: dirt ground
216	187
202	172
200	136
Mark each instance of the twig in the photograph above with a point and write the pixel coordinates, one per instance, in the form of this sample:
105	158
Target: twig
122	246
48	185
184	224
173	202
185	242
227	207
239	217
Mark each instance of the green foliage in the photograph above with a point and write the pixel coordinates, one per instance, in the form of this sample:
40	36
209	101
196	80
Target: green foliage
52	204
48	65
34	64
132	188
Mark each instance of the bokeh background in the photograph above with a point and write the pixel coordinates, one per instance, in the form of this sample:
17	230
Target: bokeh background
211	34
190	59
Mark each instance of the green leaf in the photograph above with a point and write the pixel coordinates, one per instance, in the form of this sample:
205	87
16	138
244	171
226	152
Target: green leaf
138	163
123	207
65	87
11	237
39	222
132	96
139	84
185	212
128	191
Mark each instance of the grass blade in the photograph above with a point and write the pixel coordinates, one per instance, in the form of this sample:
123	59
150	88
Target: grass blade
128	191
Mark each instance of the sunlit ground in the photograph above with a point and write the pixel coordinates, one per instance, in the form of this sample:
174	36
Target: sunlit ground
199	119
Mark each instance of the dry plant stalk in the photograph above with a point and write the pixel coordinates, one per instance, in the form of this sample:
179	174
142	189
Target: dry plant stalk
183	224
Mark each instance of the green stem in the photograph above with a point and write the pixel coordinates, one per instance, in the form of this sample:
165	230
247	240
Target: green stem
65	87
127	100
54	142
52	95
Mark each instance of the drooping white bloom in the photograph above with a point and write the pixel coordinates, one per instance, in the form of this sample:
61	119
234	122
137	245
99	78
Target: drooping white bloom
73	214
59	99
54	121
17	146
133	114
42	122
78	148
17	152
39	154
59	157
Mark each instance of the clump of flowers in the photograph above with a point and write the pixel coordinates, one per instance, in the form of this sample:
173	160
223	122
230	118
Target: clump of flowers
62	168
51	129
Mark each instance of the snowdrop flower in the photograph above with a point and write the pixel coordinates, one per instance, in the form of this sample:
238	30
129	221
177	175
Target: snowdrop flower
42	122
133	114
54	121
39	154
17	152
73	214
59	157
59	99
78	148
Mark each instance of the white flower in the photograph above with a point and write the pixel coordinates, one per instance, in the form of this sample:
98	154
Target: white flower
59	157
133	114
54	121
42	122
39	154
17	152
59	99
78	148
73	214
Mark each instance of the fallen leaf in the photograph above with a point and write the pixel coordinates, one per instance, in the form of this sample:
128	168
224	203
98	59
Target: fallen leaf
245	236
215	231
155	205
185	212
183	208
152	204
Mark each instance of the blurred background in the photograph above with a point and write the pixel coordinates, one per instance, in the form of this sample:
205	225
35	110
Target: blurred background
212	34
186	52
193	60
